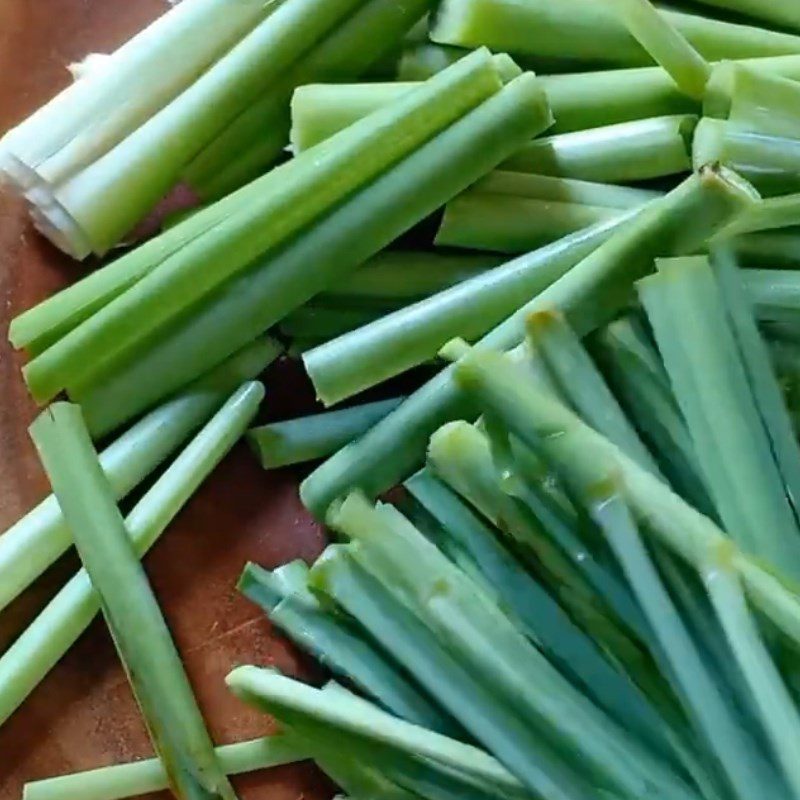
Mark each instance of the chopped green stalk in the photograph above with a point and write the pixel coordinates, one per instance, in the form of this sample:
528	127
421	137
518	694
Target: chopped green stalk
775	704
318	322
419	62
503	224
31	545
340	646
562	190
345	53
317	436
770	214
749	774
590	293
709	376
658	34
545	424
580	383
269	690
140	633
772	163
413	335
775	293
291	197
629	151
781	13
589	31
754	100
362	225
637	375
760	373
578	100
488	643
68	615
491	721
768	249
541	618
143	777
399	276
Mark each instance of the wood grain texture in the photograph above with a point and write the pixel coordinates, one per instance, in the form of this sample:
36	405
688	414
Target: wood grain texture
83	715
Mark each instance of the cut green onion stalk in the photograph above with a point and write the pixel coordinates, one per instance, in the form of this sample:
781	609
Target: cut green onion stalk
735	416
259	134
30	546
545	424
589	31
143	777
308	187
775	293
314	437
589	294
132	613
658	34
630	151
354	231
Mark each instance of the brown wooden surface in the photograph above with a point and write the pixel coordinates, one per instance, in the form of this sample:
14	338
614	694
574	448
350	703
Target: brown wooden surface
83	715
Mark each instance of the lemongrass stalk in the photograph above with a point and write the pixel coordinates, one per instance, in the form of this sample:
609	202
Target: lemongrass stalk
268	689
140	633
419	62
657	34
412	335
589	293
580	383
754	101
776	706
577	450
318	322
66	617
147	163
399	276
632	365
749	773
760	374
629	151
709	376
344	649
317	436
539	615
503	224
34	543
489	644
783	13
143	777
309	187
492	722
590	31
344	54
344	239
771	163
768	249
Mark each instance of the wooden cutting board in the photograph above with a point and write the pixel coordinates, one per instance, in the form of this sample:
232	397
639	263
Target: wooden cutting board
83	715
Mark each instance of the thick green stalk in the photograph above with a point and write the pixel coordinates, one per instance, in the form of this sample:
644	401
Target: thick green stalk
292	197
143	777
781	13
749	774
140	633
589	31
629	151
341	647
343	54
770	162
310	438
68	615
590	293
768	249
504	224
775	293
773	213
31	545
703	354
362	225
657	34
413	335
492	722
776	706
321	322
544	423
